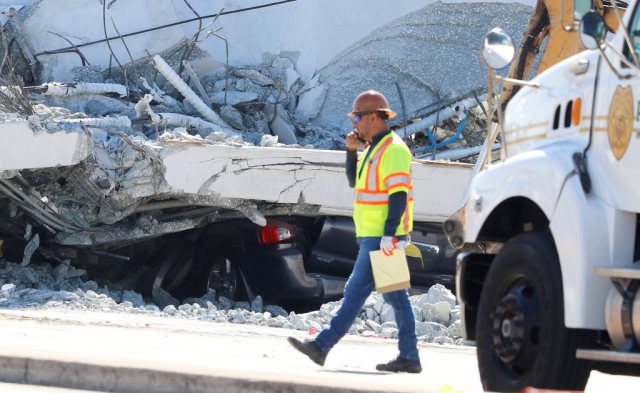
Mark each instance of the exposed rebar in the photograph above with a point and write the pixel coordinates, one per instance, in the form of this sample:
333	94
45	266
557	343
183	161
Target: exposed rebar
64	50
116	121
59	89
441	115
104	26
82	56
188	94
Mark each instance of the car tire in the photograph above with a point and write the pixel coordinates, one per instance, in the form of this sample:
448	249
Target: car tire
172	265
223	276
521	337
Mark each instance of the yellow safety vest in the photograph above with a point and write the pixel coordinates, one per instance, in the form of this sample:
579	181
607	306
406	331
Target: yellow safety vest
387	171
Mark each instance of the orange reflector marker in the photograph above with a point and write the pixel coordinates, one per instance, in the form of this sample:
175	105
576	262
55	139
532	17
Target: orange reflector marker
576	112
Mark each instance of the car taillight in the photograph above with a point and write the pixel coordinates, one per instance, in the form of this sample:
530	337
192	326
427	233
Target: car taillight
274	233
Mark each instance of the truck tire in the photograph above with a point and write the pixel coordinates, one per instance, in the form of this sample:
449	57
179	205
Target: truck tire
521	337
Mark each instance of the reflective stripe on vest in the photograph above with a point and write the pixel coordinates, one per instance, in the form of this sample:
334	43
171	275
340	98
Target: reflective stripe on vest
365	197
397	179
372	175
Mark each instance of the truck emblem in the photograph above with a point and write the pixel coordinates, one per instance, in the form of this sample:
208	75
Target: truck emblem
620	121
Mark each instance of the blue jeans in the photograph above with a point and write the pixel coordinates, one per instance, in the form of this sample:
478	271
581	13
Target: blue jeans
358	288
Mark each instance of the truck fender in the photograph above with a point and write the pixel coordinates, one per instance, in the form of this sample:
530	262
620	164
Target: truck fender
536	176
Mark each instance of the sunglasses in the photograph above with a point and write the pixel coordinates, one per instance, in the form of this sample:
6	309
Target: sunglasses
359	115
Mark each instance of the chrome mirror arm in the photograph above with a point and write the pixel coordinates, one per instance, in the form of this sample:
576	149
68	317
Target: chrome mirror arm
518	82
627	39
622	58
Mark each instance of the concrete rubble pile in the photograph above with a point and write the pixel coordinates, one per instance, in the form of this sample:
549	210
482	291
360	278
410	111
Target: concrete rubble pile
65	287
142	126
132	113
251	107
136	117
428	57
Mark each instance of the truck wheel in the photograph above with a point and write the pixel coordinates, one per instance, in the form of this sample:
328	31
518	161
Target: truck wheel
521	337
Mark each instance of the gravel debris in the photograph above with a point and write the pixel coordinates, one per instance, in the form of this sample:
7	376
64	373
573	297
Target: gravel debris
42	286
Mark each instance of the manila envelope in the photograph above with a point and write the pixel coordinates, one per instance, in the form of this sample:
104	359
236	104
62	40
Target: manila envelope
390	273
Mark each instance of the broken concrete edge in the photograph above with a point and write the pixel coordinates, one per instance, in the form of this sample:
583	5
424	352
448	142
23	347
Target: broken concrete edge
91	376
210	183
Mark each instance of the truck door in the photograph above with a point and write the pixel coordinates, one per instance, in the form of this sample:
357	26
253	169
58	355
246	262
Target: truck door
615	161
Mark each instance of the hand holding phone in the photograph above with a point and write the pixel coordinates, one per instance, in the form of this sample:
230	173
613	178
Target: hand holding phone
353	141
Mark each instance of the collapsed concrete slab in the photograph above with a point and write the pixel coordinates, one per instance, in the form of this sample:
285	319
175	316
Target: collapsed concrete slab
167	153
108	177
121	162
30	150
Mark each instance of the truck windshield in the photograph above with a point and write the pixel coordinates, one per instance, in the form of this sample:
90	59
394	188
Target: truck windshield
634	33
581	7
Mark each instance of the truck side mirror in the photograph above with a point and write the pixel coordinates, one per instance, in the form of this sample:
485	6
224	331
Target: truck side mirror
497	49
592	30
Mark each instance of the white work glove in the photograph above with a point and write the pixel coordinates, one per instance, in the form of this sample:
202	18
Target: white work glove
388	244
402	244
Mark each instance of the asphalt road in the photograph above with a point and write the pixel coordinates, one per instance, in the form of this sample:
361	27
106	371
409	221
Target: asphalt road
108	352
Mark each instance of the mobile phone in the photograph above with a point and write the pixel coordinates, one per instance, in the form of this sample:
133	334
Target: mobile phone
359	137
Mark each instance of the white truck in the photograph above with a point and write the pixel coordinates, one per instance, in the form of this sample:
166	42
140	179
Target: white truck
548	282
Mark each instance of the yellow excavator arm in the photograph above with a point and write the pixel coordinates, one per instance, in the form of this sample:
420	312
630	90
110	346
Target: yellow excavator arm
554	20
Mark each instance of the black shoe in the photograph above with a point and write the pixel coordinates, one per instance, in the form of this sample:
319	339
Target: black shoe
401	365
309	348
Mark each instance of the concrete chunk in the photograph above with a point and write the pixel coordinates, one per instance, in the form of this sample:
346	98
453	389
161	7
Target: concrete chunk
60	273
310	84
290	74
133	297
387	314
438	293
257	305
276	311
163	299
282	127
7	290
438	312
30	249
310	103
233	97
268	141
291	78
255	77
232	116
221	85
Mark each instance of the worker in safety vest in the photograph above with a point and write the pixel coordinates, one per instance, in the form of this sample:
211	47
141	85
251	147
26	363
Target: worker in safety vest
383	216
